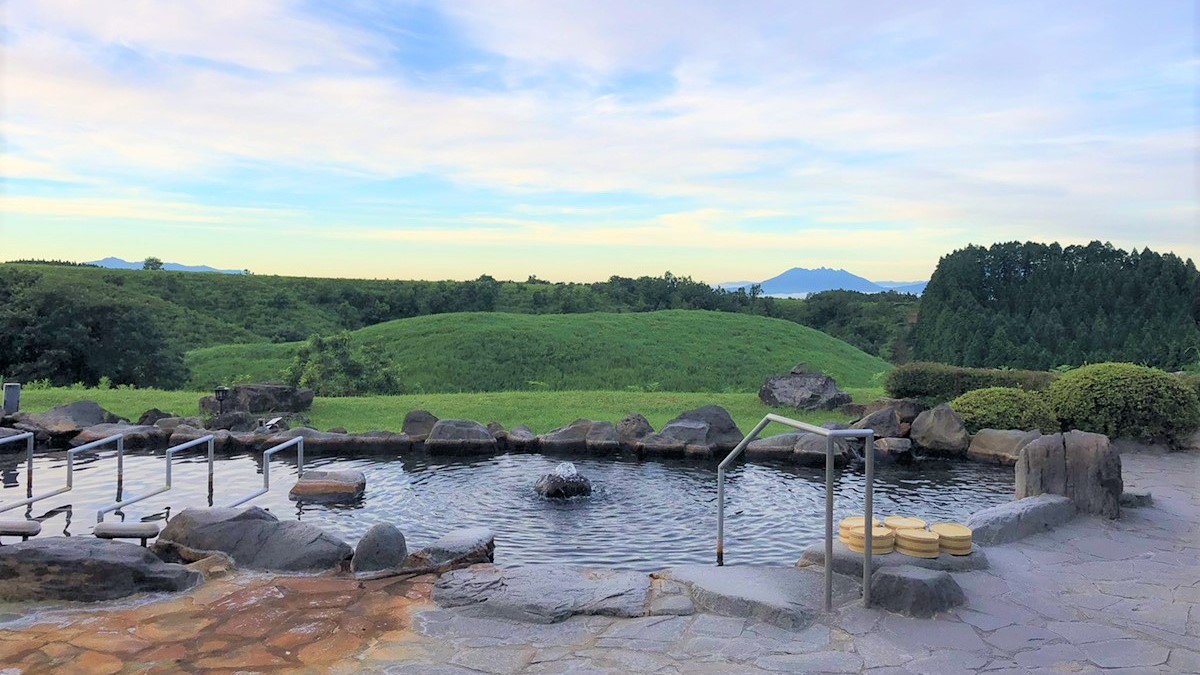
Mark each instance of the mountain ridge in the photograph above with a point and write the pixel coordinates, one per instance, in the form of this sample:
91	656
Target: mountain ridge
801	282
115	263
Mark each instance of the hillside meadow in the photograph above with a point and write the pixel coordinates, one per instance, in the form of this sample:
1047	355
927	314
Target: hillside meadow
542	411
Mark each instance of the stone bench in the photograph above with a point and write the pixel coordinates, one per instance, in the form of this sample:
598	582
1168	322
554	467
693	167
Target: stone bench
143	531
22	528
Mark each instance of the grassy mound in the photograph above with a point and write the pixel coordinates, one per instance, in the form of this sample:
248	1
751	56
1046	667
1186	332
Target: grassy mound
674	350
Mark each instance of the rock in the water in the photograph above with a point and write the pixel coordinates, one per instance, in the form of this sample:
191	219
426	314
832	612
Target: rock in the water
153	415
571	438
235	420
915	591
702	432
1001	446
323	442
632	429
885	423
1018	519
460	437
722	434
466	546
810	451
602	438
1135	498
1079	465
850	563
543	593
169	424
940	430
261	398
803	390
564	482
328	486
381	548
520	439
780	446
895	451
418	424
785	597
65	421
136	437
906	408
85	569
256	539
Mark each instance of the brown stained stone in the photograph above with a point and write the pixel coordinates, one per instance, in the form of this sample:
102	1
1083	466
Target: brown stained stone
254	623
95	663
391	652
10	649
248	597
110	642
333	647
173	628
250	656
311	585
328	600
59	650
173	652
302	634
212	646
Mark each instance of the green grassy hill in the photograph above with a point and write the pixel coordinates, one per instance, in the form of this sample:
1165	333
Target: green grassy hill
674	350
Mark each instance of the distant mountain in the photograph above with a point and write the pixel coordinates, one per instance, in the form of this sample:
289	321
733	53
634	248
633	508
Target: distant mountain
799	282
119	264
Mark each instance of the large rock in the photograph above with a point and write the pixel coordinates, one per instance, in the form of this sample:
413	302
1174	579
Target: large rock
460	437
169	424
1078	465
465	546
329	486
799	447
85	569
418	424
324	442
381	548
849	563
261	398
1000	446
256	539
723	433
520	439
1018	519
235	420
564	482
915	591
571	438
803	390
632	429
702	432
906	408
941	431
65	421
543	593
895	451
136	437
153	415
885	423
602	438
780	446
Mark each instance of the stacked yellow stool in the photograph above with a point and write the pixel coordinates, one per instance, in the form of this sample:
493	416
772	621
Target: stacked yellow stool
917	543
852	522
953	538
903	523
883	540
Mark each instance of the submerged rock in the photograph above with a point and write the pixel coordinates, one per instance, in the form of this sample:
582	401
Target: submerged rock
564	482
256	539
85	569
329	486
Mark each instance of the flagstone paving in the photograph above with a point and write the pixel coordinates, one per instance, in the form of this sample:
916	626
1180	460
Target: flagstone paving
1092	596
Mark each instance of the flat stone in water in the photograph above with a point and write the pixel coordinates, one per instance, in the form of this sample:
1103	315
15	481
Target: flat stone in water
543	593
783	596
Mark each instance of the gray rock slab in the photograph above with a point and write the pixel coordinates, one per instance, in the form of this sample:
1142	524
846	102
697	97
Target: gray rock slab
915	591
256	539
85	569
1018	519
543	593
465	545
849	563
782	596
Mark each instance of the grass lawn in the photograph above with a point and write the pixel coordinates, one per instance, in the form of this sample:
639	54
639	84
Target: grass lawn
541	410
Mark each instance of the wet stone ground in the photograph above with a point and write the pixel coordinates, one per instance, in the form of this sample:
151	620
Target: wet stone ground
1092	596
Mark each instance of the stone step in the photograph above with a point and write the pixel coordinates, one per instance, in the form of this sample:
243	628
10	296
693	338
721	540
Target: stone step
787	597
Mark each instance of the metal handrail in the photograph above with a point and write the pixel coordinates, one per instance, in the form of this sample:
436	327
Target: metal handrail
299	443
868	436
120	441
28	438
209	439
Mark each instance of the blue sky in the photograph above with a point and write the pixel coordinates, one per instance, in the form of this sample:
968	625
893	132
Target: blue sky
576	140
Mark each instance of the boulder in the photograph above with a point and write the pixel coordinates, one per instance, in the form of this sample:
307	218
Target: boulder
781	446
466	546
1018	519
941	431
852	410
169	424
222	440
543	593
906	408
337	430
153	415
11	447
324	442
236	420
571	438
460	437
1078	465
1000	446
63	422
803	390
632	429
256	539
418	424
381	548
660	445
915	591
722	434
329	486
885	423
602	438
137	437
810	451
497	431
85	569
261	398
894	451
520	439
564	482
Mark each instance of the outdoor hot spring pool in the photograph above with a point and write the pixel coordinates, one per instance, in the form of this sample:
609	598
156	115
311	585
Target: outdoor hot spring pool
642	515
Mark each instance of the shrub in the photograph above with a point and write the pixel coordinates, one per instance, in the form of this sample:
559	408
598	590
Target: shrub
1122	400
1005	408
937	383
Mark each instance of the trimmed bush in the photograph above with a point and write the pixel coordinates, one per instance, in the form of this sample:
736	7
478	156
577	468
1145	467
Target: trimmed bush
938	383
1121	400
1005	408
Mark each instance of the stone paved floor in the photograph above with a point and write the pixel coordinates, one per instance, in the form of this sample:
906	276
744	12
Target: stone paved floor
1092	596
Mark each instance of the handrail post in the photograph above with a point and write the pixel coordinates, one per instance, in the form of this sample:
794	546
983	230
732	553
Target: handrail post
868	508
828	523
29	466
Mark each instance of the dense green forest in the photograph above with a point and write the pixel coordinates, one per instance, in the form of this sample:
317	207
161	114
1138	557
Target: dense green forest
1041	306
73	324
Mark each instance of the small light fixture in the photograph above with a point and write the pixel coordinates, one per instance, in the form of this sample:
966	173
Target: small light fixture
221	393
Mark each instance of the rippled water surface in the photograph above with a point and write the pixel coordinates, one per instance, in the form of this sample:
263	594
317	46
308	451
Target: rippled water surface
641	515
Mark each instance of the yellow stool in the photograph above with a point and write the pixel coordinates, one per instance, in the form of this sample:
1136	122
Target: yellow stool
883	540
918	543
852	521
903	523
954	539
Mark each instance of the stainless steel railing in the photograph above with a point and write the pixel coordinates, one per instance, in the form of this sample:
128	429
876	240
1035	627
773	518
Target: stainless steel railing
210	440
28	438
868	436
299	443
117	438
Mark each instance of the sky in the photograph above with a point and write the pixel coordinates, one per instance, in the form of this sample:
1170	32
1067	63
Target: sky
577	140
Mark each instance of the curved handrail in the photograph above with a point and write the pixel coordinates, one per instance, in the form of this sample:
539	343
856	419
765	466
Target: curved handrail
299	443
868	436
117	438
209	439
28	438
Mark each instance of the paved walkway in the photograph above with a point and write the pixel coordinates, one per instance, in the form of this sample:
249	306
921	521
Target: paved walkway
1093	596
